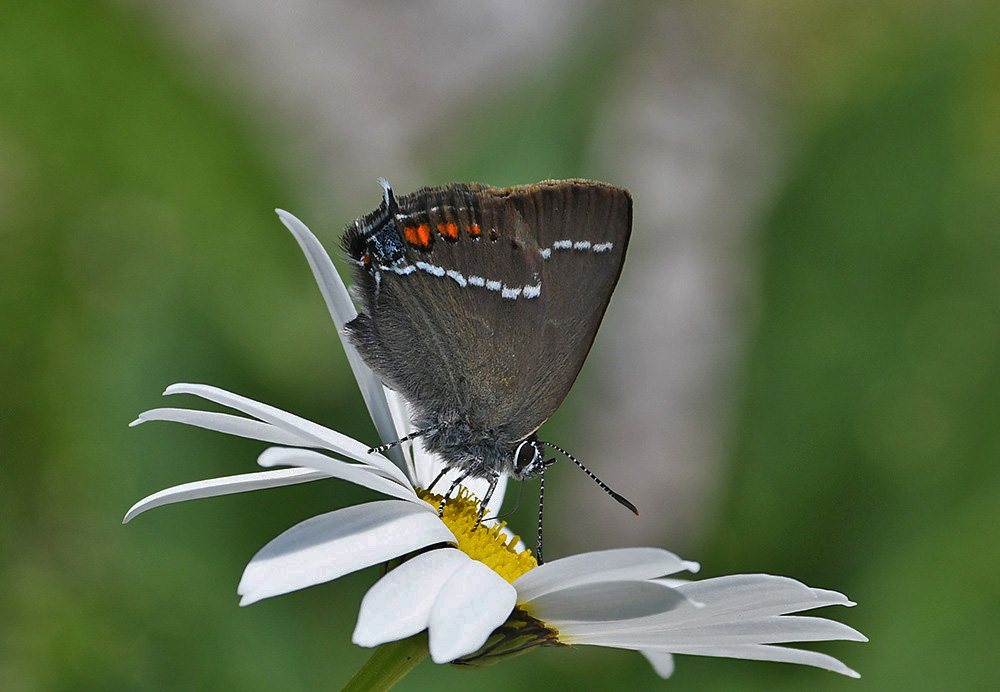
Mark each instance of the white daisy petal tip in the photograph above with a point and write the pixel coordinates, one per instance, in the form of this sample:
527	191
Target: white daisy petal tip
273	456
662	662
247	600
833	597
225	485
287	217
200	390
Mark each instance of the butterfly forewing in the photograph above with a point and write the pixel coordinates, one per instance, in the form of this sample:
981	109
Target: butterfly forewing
490	311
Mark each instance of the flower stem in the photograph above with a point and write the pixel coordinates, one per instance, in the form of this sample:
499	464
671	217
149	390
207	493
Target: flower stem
389	664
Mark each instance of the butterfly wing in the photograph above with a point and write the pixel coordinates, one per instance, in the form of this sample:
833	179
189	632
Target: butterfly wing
490	308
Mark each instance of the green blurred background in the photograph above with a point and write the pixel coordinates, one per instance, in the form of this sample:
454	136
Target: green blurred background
138	247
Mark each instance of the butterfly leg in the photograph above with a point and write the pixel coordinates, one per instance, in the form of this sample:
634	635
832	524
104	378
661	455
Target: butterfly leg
473	470
430	488
494	479
468	472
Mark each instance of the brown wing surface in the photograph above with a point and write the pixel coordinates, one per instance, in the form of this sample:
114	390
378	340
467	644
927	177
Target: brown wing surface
491	312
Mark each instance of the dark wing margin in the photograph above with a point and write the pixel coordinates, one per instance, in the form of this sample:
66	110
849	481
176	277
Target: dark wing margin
595	220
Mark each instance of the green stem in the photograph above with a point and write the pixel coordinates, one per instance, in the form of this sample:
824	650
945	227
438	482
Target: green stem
389	664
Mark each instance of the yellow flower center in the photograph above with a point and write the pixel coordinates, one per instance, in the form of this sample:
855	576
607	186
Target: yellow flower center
483	543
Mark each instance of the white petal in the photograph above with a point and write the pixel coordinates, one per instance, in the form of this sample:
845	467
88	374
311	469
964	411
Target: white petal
472	603
662	662
226	485
399	605
331	545
763	652
342	310
599	566
337	298
828	597
771	629
575	608
225	423
319	435
659	632
400	412
428	466
752	595
355	473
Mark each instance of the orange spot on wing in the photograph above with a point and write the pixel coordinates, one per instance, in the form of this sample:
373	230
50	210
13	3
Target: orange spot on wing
418	235
474	230
449	230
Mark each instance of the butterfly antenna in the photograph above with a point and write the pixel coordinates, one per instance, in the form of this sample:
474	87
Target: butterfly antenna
541	497
621	500
430	488
390	199
405	438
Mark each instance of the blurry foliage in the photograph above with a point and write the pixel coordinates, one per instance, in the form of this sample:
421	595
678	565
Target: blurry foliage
869	436
138	247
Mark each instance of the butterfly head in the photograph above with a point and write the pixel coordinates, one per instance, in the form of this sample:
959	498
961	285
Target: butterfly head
373	241
529	460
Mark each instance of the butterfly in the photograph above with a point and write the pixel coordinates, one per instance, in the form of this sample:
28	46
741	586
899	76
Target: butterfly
479	306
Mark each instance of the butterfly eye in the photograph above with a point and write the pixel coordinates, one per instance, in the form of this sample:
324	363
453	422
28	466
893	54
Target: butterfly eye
525	454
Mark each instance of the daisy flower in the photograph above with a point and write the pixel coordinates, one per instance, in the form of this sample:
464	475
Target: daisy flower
466	594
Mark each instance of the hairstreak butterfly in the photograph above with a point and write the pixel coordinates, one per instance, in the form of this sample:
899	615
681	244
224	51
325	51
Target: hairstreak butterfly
480	304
